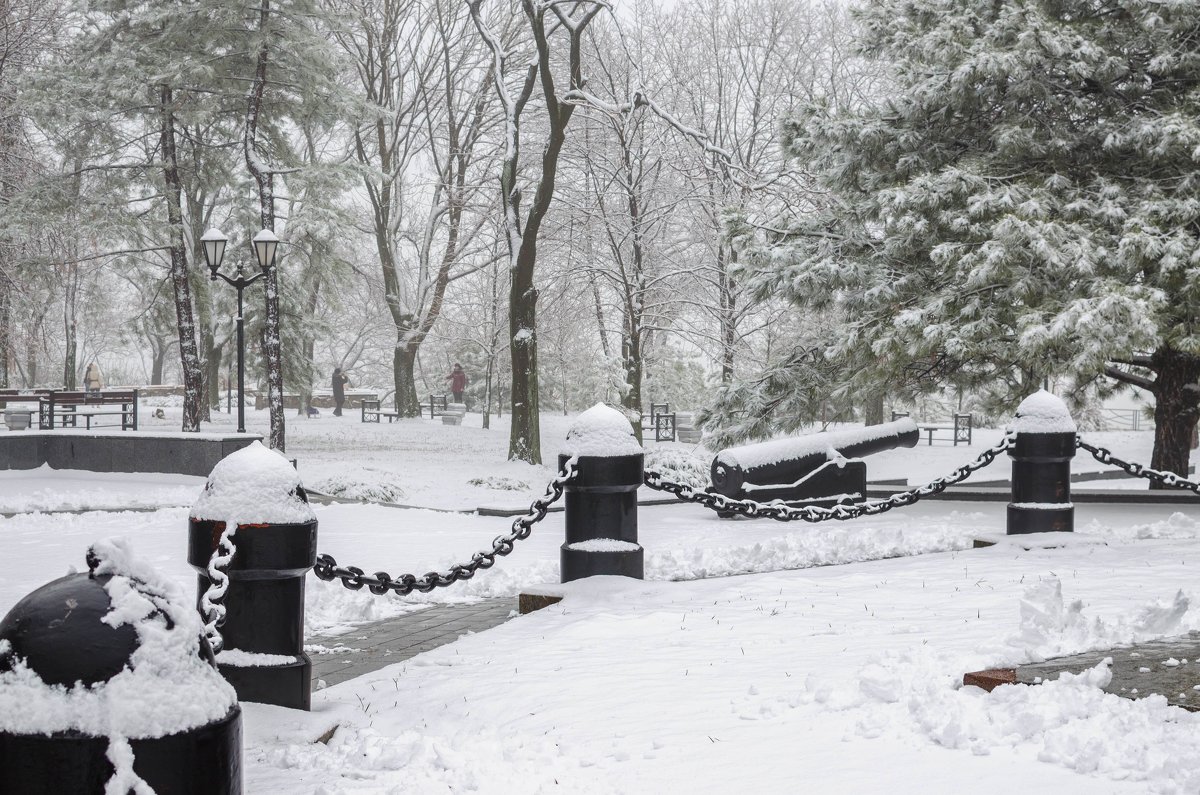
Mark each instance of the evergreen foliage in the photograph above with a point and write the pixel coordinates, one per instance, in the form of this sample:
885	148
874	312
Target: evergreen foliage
1025	203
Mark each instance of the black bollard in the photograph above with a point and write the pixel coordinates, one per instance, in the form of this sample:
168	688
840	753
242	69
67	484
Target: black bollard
1041	467
263	655
57	632
601	501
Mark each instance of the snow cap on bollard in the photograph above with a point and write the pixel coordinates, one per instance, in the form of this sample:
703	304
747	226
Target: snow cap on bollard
1043	412
106	676
601	432
254	485
1042	449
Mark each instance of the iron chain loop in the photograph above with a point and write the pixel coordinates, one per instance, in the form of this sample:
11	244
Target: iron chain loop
380	583
781	511
212	601
1137	470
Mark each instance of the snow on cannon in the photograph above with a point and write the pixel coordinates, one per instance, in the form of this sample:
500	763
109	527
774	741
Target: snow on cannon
817	469
107	684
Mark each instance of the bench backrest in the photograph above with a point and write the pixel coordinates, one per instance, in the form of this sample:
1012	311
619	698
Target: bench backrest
6	399
108	397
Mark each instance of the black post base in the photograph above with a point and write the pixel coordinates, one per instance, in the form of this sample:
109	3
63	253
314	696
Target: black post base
577	564
206	760
1040	520
288	685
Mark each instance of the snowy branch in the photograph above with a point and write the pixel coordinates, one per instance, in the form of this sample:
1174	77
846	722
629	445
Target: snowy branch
1124	377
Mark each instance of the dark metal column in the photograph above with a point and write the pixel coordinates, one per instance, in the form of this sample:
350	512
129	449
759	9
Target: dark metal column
264	606
601	517
1041	467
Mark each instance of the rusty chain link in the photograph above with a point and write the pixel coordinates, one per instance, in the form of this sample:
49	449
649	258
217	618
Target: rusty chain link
381	582
1137	470
781	511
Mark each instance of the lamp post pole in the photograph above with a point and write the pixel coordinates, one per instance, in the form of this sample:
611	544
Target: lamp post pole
264	244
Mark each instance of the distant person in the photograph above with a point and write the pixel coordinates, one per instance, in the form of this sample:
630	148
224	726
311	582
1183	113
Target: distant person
91	379
340	381
458	382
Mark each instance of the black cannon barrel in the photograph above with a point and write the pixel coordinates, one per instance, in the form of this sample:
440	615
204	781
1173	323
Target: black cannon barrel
787	460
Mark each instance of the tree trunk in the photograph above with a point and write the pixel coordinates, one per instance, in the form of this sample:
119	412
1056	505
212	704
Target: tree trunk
631	350
189	359
212	375
404	363
487	393
727	307
873	409
5	329
309	345
1176	405
272	334
70	284
524	440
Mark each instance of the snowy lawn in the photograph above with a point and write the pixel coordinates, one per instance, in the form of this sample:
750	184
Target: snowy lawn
797	676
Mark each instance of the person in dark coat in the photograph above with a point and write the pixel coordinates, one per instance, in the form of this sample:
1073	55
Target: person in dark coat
340	380
458	382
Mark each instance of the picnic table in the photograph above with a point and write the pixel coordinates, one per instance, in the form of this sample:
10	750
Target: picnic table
957	431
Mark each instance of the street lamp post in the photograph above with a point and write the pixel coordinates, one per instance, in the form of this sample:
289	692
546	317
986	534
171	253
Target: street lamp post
265	243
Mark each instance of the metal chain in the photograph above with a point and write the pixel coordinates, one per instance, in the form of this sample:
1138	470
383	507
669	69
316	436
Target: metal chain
381	582
783	512
1137	470
212	602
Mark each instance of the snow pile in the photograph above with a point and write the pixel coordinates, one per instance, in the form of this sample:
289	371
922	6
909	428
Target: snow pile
367	484
1042	412
601	431
255	484
167	686
1073	723
1050	628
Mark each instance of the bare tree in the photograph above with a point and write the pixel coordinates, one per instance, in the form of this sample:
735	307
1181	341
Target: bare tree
547	24
419	145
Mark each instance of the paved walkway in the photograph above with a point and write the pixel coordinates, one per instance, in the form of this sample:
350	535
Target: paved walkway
1168	667
374	646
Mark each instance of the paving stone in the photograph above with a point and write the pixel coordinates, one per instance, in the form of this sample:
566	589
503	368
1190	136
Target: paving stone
393	640
1169	668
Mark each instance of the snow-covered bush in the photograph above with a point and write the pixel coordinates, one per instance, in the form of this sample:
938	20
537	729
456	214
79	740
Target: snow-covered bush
679	466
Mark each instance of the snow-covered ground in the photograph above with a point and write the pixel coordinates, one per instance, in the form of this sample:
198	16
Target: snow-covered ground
799	675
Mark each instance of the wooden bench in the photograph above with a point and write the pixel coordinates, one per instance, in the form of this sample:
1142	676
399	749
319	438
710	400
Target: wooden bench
957	431
372	411
68	407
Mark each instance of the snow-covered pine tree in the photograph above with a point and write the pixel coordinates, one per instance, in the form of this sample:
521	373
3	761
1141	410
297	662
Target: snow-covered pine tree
130	79
1025	203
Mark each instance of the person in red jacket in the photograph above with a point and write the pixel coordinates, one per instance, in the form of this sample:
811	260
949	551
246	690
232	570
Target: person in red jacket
458	382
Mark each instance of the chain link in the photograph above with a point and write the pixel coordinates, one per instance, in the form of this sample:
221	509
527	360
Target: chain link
1137	470
212	602
781	511
381	582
